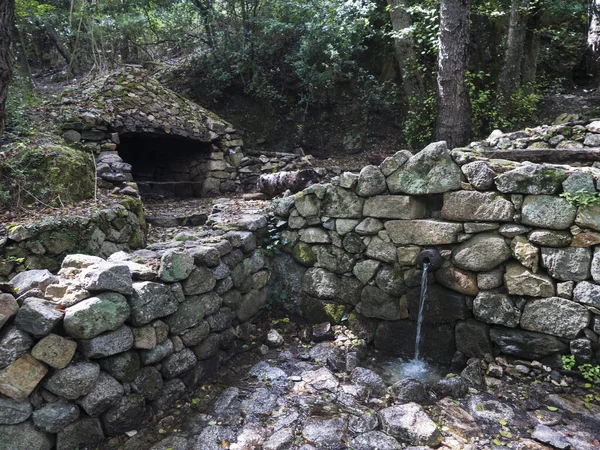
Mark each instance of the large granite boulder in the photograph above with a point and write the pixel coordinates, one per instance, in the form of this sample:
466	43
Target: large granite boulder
90	317
547	211
410	424
377	304
481	253
520	281
567	264
526	344
495	308
477	206
556	316
431	171
370	182
341	203
531	179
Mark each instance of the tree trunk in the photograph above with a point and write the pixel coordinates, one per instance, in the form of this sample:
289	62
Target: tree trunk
510	76
454	109
531	47
7	16
403	49
55	40
594	39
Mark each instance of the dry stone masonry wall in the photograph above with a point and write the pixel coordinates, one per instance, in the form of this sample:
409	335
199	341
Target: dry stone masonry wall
522	263
43	244
105	345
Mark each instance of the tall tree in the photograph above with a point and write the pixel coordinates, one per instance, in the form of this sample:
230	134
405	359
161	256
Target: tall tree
454	110
593	38
510	76
7	15
404	49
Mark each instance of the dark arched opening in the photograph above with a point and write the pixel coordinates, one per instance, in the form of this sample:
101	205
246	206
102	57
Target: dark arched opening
165	166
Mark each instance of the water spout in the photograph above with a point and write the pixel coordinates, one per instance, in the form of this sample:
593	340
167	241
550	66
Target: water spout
426	259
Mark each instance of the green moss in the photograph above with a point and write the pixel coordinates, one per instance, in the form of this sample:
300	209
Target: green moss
304	254
319	311
52	174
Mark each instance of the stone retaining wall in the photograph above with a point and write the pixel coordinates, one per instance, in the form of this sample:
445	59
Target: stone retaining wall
104	346
522	263
43	244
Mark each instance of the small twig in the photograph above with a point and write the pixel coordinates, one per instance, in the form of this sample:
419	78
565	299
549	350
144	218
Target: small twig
95	177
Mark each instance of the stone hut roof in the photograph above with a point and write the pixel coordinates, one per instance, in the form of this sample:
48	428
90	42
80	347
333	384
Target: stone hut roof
132	101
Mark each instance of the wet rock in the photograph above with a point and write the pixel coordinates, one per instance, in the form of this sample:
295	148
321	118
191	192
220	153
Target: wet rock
108	277
474	206
93	316
472	374
368	379
264	371
472	338
326	433
442	305
431	171
105	393
546	211
520	281
363	423
455	387
556	316
496	308
377	304
321	379
582	350
13	412
126	415
54	417
280	440
481	253
567	264
172	391
409	390
490	411
175	265
24	437
531	179
547	435
526	344
212	437
410	424
374	440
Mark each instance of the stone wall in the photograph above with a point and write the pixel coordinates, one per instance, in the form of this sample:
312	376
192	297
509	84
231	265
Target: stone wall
104	346
43	244
522	264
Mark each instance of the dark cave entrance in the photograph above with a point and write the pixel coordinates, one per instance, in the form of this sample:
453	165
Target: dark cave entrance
165	166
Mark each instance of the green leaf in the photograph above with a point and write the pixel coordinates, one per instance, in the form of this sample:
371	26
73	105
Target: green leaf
195	401
502	422
552	408
161	431
212	422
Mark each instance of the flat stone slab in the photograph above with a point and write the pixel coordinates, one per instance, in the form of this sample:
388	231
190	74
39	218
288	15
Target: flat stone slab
423	232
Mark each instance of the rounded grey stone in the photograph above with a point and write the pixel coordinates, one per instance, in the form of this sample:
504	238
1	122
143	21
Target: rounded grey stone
54	417
106	392
13	412
73	381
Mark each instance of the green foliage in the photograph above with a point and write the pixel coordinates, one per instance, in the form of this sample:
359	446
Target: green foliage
49	175
420	119
581	198
21	98
568	362
590	373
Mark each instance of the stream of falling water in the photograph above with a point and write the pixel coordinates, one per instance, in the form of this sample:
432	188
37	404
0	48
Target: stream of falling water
421	304
417	368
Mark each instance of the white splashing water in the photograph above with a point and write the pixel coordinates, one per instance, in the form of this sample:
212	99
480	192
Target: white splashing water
421	305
